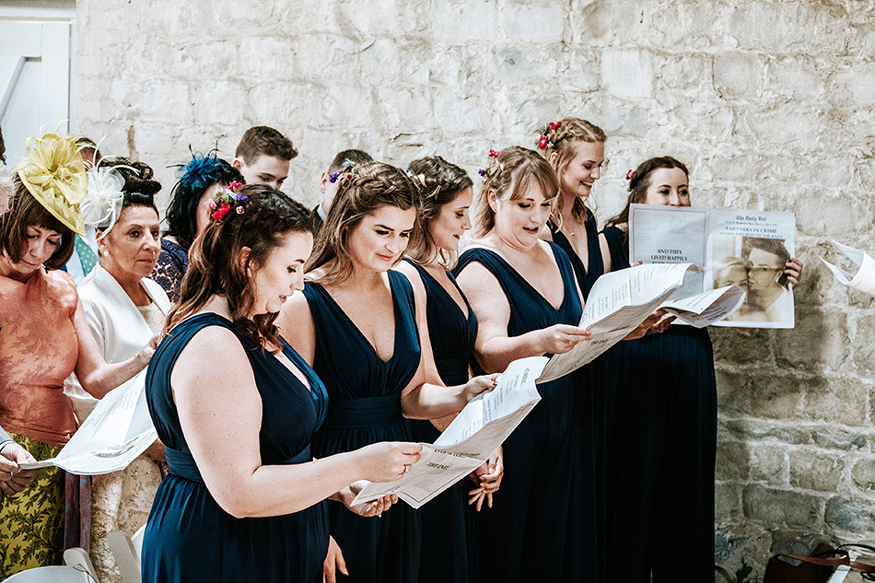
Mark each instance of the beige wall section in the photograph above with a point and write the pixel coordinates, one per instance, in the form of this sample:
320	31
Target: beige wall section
770	103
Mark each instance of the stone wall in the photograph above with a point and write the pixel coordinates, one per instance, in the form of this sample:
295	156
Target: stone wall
770	102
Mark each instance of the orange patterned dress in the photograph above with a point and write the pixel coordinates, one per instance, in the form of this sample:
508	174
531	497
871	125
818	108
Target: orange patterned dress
38	349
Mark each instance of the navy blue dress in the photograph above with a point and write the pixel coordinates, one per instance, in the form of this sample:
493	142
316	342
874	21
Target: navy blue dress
662	443
585	277
365	407
188	536
544	521
446	553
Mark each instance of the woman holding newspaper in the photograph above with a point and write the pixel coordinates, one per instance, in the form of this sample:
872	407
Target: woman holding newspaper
446	195
44	336
237	408
125	310
662	424
358	323
544	522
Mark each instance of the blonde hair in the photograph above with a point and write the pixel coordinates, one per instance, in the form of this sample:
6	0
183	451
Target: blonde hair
440	182
509	176
363	189
560	139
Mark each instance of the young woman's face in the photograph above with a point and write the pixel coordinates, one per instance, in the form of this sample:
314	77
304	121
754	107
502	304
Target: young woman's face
448	227
131	247
379	241
283	273
41	245
668	187
576	179
202	215
520	221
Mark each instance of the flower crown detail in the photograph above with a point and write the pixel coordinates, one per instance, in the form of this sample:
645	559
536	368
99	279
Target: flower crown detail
227	199
543	141
345	167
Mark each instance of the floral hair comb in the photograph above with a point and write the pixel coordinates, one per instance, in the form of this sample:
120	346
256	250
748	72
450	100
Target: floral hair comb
629	174
544	141
227	199
346	166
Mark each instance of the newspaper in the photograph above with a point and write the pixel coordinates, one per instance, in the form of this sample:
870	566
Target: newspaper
117	431
744	248
707	308
618	302
864	278
471	438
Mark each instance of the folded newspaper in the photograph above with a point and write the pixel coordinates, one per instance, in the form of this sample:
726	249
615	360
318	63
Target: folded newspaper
864	279
117	431
618	302
471	438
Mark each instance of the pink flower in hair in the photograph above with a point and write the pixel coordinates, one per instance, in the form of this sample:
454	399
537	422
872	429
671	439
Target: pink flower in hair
493	153
210	204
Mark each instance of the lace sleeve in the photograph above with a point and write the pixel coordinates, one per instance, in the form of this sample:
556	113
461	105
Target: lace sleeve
168	274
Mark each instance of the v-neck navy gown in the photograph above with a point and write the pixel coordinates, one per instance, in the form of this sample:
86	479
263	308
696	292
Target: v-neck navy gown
188	536
585	277
544	522
364	408
446	529
662	445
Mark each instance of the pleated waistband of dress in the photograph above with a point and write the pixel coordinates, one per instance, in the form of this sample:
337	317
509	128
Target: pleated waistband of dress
367	412
181	463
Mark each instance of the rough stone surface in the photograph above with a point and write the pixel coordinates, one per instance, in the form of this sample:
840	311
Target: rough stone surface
770	103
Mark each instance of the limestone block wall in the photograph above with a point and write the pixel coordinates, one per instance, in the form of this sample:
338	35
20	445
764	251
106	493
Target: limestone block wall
771	103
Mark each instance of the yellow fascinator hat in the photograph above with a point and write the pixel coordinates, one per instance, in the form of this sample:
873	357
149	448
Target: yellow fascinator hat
54	174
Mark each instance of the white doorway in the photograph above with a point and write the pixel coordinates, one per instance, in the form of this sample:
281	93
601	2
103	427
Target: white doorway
36	70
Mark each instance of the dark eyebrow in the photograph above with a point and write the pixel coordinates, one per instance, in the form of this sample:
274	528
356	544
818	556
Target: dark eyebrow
379	226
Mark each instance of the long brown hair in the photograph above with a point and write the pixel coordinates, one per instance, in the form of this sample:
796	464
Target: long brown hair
214	259
560	139
363	189
440	183
509	176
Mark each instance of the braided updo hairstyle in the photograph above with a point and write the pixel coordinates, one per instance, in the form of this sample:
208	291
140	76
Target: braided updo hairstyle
639	182
439	184
215	267
509	176
560	140
363	189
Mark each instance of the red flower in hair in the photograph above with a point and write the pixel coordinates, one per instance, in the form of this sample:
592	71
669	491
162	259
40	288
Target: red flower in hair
555	125
221	212
493	153
629	174
235	186
542	142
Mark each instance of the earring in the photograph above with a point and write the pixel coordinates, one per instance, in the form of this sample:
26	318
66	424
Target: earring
106	253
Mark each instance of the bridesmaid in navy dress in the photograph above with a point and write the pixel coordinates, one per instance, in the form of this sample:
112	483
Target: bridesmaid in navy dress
446	195
527	302
236	408
662	436
357	323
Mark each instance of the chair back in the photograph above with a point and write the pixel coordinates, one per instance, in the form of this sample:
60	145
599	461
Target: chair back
52	574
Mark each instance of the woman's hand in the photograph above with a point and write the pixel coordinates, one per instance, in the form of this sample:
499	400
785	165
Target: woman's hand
388	461
644	327
366	509
560	338
479	385
334	562
12	478
155	452
793	271
662	324
145	355
488	476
